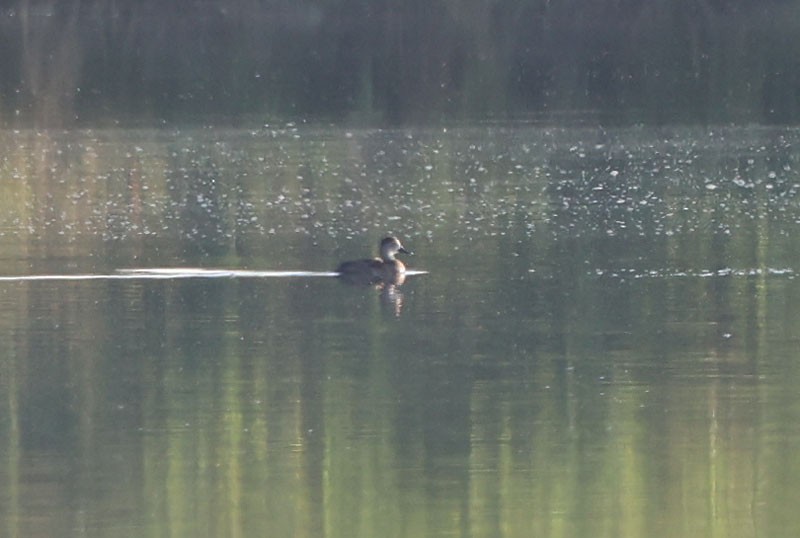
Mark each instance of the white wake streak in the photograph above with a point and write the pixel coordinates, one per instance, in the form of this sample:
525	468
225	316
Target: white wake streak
158	273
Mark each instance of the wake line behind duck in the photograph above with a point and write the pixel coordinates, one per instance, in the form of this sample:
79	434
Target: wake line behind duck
167	273
384	270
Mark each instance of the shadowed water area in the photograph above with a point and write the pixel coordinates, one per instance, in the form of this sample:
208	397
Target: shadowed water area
605	342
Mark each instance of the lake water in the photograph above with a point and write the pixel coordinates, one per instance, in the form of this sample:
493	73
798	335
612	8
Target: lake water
605	344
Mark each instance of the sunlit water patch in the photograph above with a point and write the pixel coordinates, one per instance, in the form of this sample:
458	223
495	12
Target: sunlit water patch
209	188
718	273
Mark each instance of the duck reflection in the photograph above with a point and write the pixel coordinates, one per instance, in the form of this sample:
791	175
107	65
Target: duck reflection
391	299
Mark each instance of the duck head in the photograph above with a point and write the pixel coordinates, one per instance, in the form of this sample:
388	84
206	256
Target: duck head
390	247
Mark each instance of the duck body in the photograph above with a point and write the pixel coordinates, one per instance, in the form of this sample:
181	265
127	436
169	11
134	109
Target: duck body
385	269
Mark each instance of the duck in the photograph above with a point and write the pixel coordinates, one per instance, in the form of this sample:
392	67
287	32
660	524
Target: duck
386	269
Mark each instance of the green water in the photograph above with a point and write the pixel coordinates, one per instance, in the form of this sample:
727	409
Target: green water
605	344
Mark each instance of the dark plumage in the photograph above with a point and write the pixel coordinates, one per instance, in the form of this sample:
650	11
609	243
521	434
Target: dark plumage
386	269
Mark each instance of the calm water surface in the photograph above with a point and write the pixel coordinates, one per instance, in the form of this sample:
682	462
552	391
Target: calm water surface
606	343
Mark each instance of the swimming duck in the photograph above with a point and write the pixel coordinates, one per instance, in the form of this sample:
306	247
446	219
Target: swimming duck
386	269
